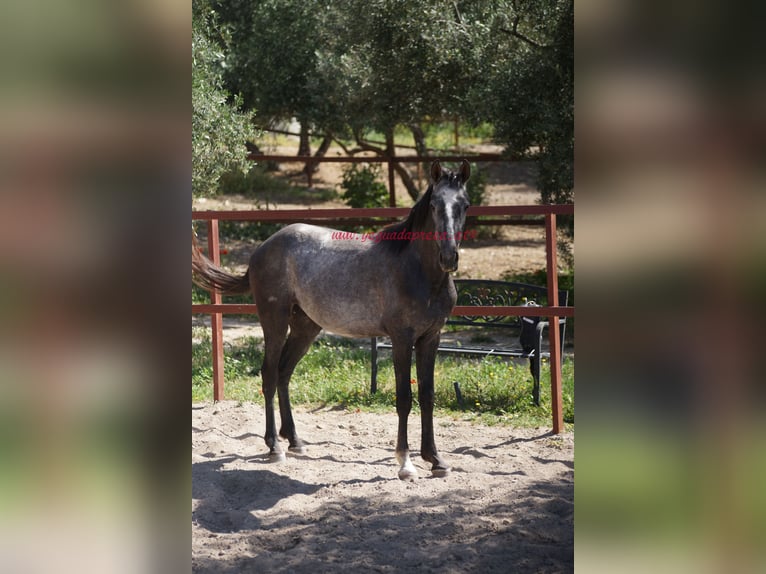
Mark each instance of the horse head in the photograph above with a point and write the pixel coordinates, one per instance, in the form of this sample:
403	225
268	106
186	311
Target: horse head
449	203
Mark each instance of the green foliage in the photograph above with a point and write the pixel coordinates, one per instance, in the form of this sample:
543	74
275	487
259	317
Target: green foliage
350	67
272	56
337	372
219	130
240	361
361	187
530	98
202	297
247	230
347	67
440	136
477	186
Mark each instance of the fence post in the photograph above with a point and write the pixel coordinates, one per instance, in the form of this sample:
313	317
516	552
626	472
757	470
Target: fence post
391	183
390	153
216	319
553	326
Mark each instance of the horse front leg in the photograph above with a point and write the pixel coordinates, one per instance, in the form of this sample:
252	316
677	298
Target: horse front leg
425	357
402	353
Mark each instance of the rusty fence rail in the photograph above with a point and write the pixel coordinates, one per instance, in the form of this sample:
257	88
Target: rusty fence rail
216	309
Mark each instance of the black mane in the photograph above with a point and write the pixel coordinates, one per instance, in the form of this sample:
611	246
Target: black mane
415	221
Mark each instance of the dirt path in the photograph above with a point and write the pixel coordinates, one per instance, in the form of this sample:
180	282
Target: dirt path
506	507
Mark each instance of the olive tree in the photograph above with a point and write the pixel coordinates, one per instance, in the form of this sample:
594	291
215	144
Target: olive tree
219	128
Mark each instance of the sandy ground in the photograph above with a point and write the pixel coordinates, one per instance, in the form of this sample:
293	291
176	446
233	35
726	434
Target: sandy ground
506	507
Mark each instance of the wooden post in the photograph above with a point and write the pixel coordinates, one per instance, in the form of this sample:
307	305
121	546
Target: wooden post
553	326
390	153
216	319
457	132
391	184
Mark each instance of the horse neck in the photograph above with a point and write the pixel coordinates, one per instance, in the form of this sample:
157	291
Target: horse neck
428	255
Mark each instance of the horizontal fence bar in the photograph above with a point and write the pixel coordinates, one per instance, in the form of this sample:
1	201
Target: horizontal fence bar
340	213
379	158
517	311
225	308
464	310
383	221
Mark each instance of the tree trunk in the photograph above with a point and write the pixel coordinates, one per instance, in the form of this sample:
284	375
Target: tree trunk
412	189
420	139
419	136
304	147
312	166
390	151
406	178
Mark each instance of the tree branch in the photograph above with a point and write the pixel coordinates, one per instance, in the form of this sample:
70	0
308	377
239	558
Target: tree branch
514	31
345	149
366	146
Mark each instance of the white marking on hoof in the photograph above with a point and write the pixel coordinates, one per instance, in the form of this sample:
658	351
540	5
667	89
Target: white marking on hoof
407	472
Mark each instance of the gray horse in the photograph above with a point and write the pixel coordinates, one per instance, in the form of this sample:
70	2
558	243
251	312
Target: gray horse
303	278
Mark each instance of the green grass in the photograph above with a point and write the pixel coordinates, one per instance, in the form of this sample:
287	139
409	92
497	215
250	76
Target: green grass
337	372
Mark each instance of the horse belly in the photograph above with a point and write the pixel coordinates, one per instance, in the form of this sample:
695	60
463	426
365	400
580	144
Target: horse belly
347	320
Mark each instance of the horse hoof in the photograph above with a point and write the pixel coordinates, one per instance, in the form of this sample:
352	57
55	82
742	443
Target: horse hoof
297	449
275	457
441	471
408	475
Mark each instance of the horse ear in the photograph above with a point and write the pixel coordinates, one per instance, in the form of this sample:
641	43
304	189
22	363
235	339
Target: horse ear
465	171
436	171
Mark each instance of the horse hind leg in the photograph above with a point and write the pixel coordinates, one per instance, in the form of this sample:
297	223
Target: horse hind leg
274	322
302	332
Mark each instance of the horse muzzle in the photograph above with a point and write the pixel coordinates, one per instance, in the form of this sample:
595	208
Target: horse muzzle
448	263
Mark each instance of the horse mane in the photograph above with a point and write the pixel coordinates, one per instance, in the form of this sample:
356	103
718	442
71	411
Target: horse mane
415	221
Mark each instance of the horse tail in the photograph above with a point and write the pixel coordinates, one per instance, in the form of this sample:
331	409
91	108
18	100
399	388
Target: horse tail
208	275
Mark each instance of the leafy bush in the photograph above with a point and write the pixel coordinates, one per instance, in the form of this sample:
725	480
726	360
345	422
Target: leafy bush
219	128
477	187
362	188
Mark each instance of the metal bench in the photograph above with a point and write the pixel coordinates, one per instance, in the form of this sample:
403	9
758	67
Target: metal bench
527	330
